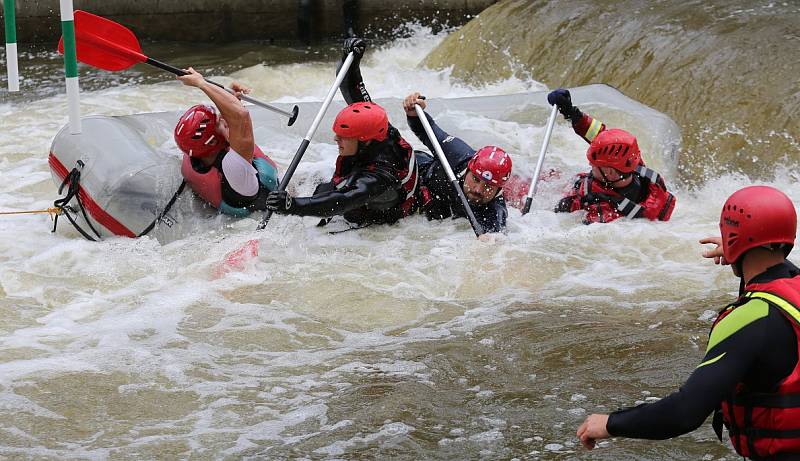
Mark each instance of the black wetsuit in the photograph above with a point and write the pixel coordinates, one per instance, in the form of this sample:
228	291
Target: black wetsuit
370	190
759	354
444	200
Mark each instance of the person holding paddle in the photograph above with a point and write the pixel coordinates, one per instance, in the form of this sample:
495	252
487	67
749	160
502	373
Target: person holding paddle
619	183
221	162
481	174
375	177
750	375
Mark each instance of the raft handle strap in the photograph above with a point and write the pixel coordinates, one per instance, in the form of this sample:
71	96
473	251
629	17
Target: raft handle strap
165	210
72	180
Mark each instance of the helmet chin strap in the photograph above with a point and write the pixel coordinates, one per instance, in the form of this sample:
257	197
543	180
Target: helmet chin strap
607	183
740	272
360	147
738	264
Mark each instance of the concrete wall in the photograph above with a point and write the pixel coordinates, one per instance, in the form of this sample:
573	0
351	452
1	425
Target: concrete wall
231	20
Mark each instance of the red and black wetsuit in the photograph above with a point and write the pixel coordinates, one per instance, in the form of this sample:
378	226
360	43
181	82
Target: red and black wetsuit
377	185
369	187
645	197
756	349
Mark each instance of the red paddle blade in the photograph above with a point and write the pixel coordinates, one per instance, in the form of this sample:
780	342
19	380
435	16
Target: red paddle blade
103	43
237	260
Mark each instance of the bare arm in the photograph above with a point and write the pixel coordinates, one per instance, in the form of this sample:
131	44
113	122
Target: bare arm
240	126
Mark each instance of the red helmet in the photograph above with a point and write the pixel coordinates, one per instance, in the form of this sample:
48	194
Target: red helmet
363	120
756	216
196	132
615	148
491	164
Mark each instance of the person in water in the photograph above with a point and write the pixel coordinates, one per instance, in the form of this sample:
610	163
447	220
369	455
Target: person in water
482	174
375	178
221	162
750	375
619	184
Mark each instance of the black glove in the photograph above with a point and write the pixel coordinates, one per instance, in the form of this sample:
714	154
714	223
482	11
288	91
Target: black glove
563	100
280	202
354	45
564	205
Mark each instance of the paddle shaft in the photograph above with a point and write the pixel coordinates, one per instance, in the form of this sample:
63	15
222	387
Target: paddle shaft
307	140
292	115
535	180
449	171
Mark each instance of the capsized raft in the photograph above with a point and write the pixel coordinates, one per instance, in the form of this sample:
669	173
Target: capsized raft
129	166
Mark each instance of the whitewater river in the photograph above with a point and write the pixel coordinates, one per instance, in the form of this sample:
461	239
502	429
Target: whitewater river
412	341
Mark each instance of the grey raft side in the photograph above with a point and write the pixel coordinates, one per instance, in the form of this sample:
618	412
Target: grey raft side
133	166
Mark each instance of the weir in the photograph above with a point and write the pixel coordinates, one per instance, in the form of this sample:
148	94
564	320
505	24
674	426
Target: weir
231	20
726	71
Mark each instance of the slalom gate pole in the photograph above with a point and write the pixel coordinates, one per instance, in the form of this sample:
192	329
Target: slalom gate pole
12	63
71	66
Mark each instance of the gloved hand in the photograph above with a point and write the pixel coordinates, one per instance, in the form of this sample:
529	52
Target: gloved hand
565	205
563	100
280	202
355	45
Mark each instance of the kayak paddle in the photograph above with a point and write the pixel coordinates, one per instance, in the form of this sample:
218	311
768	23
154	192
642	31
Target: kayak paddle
449	171
540	162
311	130
107	45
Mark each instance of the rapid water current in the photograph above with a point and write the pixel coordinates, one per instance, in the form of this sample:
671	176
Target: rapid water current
411	341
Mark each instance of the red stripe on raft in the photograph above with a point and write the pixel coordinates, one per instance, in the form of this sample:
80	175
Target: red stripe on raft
100	215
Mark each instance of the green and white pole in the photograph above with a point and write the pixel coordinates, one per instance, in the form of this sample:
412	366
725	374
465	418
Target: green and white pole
71	66
12	66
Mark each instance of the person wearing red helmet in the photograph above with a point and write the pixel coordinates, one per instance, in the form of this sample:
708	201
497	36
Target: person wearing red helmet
619	183
375	177
482	174
221	162
750	375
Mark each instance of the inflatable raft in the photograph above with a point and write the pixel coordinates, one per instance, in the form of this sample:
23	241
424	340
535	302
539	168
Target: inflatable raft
121	176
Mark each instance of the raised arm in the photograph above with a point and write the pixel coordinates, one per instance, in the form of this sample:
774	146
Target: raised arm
352	87
240	126
455	149
584	125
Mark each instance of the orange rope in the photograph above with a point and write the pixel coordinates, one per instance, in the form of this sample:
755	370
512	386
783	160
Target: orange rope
50	211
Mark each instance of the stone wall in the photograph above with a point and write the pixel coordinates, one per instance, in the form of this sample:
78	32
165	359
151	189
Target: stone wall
231	20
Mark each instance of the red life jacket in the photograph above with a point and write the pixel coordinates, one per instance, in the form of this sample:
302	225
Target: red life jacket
762	425
208	185
408	176
604	204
